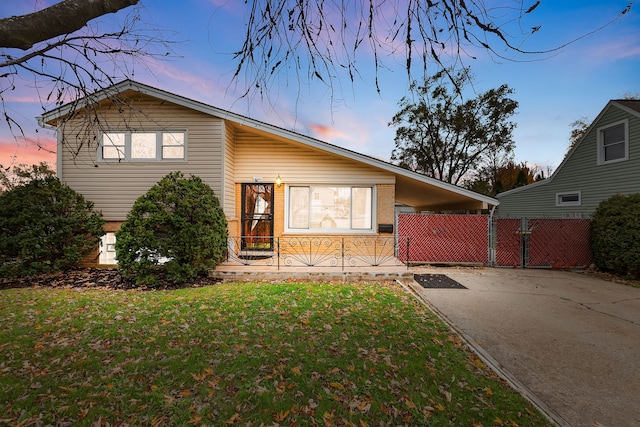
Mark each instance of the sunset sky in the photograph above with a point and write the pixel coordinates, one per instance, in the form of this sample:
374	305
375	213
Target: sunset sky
553	90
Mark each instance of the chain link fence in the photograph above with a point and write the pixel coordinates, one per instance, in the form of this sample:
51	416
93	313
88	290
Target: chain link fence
501	242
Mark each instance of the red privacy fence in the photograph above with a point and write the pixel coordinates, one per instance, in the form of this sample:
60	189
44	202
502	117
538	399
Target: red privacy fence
445	238
502	242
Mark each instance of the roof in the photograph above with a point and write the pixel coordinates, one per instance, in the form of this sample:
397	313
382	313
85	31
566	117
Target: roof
412	188
631	106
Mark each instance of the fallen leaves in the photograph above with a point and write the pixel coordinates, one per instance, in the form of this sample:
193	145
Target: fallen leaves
240	354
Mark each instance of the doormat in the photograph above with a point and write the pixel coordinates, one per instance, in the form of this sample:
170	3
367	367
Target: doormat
437	281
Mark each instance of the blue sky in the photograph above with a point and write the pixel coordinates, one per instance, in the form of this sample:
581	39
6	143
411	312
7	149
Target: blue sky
553	90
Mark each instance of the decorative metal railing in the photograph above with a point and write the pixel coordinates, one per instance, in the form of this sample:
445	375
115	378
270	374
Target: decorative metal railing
319	251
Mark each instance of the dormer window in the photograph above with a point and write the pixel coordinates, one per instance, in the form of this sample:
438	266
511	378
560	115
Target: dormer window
613	142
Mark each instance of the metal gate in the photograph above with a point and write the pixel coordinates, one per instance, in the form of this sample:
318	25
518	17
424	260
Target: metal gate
500	242
542	242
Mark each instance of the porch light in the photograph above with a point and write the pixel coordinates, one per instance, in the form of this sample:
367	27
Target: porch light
278	181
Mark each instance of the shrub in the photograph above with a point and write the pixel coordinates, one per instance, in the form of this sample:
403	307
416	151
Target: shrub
615	235
176	232
45	226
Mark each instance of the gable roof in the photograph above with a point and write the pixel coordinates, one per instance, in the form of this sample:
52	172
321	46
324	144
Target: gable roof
631	106
412	188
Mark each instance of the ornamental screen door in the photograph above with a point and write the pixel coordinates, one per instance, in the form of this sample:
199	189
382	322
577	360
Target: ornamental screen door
257	217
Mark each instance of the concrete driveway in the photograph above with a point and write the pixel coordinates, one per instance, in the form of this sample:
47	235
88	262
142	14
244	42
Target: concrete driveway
571	340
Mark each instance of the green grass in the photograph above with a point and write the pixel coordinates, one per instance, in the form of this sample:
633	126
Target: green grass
289	354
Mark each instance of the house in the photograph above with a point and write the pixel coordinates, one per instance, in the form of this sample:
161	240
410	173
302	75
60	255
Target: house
604	162
271	182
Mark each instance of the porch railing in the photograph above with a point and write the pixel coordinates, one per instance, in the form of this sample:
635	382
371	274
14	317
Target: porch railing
319	251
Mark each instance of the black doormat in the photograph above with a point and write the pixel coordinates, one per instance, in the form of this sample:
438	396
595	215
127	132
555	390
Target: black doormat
437	281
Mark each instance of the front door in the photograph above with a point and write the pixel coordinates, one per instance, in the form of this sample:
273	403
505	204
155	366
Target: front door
257	217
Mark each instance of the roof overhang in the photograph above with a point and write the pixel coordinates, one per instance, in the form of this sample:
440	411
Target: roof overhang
412	189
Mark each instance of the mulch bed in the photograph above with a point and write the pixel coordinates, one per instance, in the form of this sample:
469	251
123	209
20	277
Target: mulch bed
89	278
437	281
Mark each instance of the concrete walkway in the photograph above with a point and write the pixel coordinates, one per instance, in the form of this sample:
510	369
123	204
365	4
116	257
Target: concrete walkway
570	339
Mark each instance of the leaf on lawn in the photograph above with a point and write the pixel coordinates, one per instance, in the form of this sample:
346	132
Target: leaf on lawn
280	416
234	419
195	420
296	370
337	385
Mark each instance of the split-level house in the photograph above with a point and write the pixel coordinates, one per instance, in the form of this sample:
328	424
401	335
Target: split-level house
271	182
604	162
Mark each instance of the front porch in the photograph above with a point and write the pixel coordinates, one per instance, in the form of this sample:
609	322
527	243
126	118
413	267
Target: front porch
316	258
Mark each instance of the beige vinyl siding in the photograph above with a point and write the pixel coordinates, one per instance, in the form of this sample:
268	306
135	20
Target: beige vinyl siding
258	156
113	186
229	205
580	172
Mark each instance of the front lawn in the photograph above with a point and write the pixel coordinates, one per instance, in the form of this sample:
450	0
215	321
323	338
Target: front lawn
288	354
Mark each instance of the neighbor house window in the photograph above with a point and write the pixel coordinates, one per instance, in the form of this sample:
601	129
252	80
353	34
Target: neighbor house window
327	208
568	199
143	146
613	142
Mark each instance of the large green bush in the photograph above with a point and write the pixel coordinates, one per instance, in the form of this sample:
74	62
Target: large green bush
615	235
174	233
45	226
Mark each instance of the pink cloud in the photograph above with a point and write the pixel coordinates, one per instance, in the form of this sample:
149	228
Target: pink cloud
28	152
326	133
619	49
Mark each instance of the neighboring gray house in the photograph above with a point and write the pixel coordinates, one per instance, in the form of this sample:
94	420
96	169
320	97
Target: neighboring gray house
604	162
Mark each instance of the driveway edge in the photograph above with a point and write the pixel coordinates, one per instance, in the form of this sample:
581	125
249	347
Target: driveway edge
414	289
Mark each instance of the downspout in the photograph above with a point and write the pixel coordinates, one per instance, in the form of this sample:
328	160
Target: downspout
44	125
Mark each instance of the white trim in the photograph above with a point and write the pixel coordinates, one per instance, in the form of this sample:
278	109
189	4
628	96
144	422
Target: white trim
127	146
559	197
600	142
319	231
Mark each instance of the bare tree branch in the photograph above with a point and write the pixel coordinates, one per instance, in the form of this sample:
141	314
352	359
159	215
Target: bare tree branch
66	17
317	38
73	66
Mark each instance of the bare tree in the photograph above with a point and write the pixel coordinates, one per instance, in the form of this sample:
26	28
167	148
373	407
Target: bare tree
314	39
443	135
66	55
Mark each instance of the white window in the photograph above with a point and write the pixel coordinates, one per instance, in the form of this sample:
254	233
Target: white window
613	145
143	146
108	249
330	208
173	145
113	145
569	199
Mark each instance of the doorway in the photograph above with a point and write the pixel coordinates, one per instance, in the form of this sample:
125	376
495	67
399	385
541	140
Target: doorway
257	217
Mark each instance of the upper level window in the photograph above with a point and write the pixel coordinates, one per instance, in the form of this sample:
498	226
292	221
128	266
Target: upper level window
613	142
329	208
143	146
